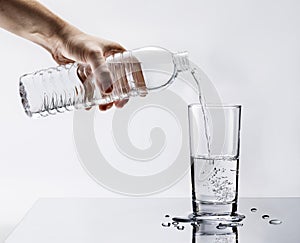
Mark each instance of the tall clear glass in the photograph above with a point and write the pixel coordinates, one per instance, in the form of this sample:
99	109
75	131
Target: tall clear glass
214	150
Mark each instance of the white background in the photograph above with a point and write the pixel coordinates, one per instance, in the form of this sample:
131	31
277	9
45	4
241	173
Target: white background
249	49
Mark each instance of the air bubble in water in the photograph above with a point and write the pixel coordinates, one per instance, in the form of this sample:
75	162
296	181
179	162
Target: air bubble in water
265	216
166	224
221	226
275	221
225	225
235	224
253	210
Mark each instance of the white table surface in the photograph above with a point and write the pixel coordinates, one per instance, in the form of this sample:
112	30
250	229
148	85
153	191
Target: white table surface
80	220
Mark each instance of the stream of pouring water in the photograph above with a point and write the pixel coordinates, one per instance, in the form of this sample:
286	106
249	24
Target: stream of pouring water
196	77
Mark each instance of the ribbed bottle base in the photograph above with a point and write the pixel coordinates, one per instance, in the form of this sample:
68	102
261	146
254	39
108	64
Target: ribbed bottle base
24	100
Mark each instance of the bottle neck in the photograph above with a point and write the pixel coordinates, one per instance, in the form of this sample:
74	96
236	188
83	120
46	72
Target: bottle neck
181	61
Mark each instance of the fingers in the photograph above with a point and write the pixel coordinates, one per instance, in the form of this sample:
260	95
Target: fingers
104	78
118	104
121	103
112	48
137	74
102	107
83	72
109	50
106	106
121	83
139	79
60	59
101	72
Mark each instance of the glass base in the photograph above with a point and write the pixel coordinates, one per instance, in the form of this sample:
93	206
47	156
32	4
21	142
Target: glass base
213	218
201	207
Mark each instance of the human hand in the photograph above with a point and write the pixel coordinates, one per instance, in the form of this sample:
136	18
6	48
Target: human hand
76	46
33	21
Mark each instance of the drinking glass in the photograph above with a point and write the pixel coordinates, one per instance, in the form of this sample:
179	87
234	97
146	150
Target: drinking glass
214	151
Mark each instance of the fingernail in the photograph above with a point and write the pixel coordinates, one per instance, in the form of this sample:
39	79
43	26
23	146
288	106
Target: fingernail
104	80
106	106
106	84
109	105
121	103
109	89
102	107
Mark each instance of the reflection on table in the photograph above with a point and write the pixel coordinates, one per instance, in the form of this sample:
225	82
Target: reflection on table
80	220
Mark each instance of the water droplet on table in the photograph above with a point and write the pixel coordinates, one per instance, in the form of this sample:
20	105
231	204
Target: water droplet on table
175	223
275	221
253	210
180	227
166	224
265	216
167	216
183	220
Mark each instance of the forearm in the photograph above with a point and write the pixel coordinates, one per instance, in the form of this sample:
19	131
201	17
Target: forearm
31	20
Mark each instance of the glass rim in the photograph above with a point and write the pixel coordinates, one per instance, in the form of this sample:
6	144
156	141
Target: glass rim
216	105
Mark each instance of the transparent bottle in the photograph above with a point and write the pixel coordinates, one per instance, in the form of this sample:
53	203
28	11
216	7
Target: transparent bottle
134	73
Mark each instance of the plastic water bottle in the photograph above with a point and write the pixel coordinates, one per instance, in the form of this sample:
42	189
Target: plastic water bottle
134	73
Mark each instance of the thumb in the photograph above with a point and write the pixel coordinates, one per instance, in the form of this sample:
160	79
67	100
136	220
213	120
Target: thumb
101	72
